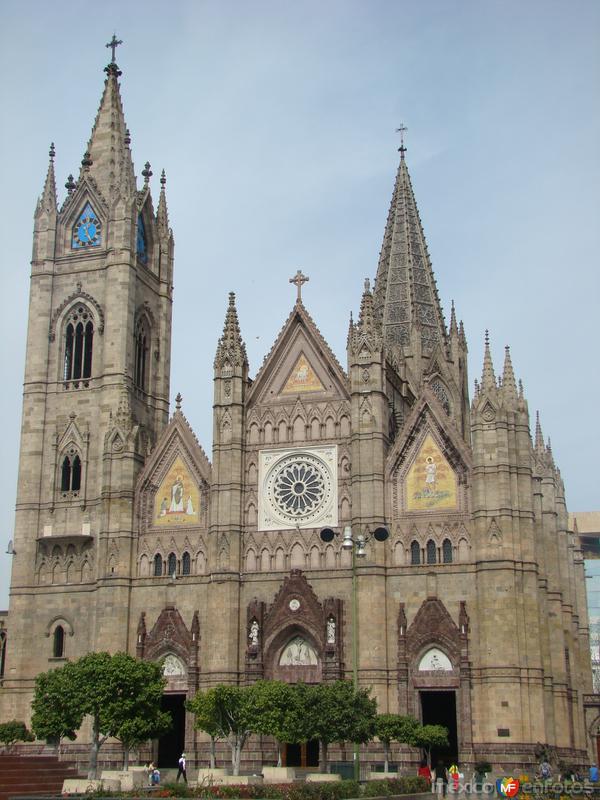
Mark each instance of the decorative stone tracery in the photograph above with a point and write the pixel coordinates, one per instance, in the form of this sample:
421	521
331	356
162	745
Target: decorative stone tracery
297	637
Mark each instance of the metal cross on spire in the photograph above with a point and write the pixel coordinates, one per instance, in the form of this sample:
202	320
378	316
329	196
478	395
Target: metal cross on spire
299	279
113	44
401	130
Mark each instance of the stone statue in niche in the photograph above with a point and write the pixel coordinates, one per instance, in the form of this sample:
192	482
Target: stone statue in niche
253	634
331	631
298	653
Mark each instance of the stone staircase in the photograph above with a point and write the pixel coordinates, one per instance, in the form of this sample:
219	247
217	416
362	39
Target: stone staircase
32	775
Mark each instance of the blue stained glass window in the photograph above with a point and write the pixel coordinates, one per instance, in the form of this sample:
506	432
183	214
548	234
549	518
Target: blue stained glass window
87	231
142	251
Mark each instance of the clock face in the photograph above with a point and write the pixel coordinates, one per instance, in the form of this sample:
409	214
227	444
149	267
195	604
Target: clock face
87	229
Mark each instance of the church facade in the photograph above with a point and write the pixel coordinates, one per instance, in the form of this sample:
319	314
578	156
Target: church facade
369	516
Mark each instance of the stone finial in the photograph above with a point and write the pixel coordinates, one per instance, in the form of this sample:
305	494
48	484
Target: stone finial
509	383
86	161
178	401
163	179
127	139
70	185
52	152
147	173
299	279
402	130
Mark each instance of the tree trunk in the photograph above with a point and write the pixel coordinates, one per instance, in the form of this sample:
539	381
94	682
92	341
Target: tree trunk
125	758
94	747
428	751
386	762
236	756
213	752
279	759
324	766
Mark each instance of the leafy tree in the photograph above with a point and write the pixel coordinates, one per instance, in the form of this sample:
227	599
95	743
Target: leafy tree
394	728
121	695
14	731
227	712
428	736
204	706
335	712
278	710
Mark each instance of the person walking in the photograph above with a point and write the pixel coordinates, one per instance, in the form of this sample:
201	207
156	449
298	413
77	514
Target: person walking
455	774
441	779
181	770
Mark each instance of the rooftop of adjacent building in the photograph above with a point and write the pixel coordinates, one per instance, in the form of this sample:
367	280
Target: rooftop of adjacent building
586	524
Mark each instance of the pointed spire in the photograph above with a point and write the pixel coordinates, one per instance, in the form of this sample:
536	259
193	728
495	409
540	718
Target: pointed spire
549	453
231	347
366	317
108	153
509	385
123	417
453	325
162	213
488	378
350	331
406	297
47	201
539	437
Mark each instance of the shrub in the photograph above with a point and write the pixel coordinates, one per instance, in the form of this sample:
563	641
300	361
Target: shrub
14	731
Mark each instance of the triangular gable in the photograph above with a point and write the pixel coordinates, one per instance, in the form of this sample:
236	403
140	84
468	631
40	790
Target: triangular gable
431	458
300	363
173	486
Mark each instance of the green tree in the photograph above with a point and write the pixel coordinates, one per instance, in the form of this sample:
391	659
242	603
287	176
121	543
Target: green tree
278	710
227	712
121	695
428	736
335	712
394	728
204	706
14	731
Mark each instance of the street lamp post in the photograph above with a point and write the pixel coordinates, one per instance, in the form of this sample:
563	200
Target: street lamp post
357	546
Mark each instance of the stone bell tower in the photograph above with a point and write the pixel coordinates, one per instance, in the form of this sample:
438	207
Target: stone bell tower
95	399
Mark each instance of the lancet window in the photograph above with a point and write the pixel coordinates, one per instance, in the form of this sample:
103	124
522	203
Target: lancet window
2	652
186	564
70	472
158	565
58	642
79	341
431	552
172	564
141	349
415	553
447	551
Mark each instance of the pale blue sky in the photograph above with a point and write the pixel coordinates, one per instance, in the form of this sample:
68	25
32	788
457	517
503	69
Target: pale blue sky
275	122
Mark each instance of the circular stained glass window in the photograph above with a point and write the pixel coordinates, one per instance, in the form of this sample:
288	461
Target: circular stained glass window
299	488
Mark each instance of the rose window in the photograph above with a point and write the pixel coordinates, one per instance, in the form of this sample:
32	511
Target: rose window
299	488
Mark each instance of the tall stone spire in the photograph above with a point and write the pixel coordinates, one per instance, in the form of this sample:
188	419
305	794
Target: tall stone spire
539	445
231	347
47	201
108	158
488	378
406	296
509	384
162	214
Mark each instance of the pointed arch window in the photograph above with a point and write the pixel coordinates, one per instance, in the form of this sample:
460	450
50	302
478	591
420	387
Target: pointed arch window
186	564
431	552
70	472
447	551
415	553
87	230
58	642
141	241
79	343
172	564
141	348
158	565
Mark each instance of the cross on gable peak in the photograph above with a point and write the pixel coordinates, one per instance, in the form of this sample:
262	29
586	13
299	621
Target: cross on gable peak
299	279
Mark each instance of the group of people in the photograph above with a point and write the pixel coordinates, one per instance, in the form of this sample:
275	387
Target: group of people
154	773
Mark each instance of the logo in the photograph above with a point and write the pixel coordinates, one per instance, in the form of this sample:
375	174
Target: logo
507	787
